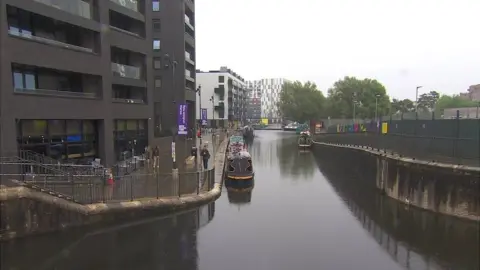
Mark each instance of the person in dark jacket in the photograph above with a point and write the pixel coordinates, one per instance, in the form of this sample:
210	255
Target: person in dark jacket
205	154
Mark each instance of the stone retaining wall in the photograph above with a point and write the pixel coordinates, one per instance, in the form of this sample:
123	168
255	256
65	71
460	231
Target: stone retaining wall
26	212
443	188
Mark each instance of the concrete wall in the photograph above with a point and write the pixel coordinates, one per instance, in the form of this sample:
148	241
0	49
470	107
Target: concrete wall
446	190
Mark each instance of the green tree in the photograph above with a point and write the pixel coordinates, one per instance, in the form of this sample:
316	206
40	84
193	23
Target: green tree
402	106
301	102
454	101
427	101
369	96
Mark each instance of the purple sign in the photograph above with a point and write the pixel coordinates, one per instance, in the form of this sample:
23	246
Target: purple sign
204	117
182	119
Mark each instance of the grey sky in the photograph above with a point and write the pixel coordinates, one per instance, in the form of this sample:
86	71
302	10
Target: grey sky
403	43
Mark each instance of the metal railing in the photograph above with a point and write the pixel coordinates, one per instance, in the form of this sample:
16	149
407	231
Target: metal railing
128	187
28	35
76	7
126	71
463	151
129	100
56	93
130	4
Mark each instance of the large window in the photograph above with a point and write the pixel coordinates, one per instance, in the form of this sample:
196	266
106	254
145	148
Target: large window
59	139
24	79
131	137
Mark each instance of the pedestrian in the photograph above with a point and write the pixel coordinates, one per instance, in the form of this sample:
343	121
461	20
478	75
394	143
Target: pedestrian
205	156
156	157
109	184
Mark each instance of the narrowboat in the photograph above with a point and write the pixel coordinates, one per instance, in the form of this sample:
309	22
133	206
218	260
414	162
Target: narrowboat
305	141
239	169
248	133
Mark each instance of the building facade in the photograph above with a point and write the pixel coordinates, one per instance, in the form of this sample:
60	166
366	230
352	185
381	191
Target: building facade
254	107
224	96
80	79
269	90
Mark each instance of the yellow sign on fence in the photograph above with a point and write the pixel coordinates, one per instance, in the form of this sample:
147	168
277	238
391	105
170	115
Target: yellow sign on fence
265	121
384	128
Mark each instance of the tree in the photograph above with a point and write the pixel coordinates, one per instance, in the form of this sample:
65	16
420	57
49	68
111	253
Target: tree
455	101
370	98
301	102
426	102
402	106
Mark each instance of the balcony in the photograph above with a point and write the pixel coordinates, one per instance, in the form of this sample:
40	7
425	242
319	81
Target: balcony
220	90
30	80
126	24
188	59
190	4
31	26
187	23
128	94
188	76
220	106
75	7
130	4
189	39
125	71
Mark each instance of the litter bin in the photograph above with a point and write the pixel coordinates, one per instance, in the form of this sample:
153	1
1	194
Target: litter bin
194	151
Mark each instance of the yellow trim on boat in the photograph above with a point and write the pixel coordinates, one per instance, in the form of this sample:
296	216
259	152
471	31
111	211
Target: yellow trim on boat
240	177
239	189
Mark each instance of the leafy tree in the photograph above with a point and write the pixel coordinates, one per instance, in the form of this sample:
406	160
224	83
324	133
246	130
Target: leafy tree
427	101
402	106
455	101
370	96
301	102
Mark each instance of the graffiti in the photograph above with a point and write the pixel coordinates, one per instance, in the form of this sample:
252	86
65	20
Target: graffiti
352	128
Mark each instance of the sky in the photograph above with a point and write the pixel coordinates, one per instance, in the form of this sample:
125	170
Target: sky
401	43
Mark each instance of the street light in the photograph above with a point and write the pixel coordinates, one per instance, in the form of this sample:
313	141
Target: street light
171	62
354	103
212	99
416	98
376	106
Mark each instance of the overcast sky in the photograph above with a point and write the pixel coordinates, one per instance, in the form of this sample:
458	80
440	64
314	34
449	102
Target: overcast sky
401	43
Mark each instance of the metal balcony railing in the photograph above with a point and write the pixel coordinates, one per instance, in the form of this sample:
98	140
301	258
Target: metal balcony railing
27	35
130	4
129	100
126	71
57	93
76	7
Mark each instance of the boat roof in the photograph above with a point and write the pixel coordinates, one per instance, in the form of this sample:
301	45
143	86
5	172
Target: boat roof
240	154
236	138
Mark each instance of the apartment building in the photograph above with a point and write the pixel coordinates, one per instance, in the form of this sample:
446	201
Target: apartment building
269	93
80	79
254	107
224	96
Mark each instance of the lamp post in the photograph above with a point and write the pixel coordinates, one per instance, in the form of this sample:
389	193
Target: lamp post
376	111
416	98
354	106
171	62
212	99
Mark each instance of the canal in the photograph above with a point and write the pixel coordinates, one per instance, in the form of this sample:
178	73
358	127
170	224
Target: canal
306	211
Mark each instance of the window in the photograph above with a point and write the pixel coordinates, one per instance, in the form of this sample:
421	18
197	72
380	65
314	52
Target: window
156	44
24	80
221	78
158	82
156	5
157	63
156	25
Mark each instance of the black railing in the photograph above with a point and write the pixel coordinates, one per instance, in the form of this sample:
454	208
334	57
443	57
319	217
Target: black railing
462	151
129	187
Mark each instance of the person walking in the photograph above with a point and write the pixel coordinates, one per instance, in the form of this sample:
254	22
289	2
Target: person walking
156	157
205	156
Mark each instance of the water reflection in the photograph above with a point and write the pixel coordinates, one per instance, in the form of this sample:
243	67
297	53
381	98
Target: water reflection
239	197
414	238
293	161
164	243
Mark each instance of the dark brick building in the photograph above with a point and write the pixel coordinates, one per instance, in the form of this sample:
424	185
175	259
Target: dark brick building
84	79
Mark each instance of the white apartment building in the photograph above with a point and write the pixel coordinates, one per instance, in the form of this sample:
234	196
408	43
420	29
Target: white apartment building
224	95
268	90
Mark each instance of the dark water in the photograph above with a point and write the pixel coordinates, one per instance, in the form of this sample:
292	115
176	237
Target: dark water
305	212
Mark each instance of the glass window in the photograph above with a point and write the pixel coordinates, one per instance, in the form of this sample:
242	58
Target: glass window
157	63
74	128
156	44
56	128
158	82
18	80
121	125
156	5
30	82
89	132
132	125
156	25
90	148
221	78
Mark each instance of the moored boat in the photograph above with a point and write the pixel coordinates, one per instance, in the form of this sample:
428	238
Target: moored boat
305	140
239	169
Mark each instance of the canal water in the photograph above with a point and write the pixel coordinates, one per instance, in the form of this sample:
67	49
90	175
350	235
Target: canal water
306	211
